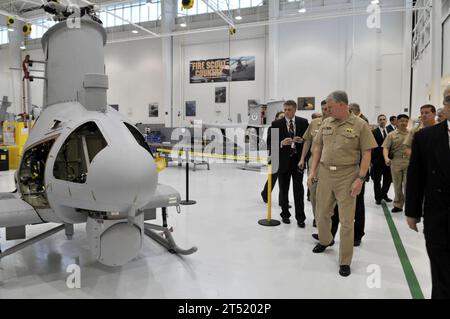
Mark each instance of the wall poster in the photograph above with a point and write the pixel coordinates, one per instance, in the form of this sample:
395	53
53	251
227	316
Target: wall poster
153	110
306	104
221	94
191	108
222	70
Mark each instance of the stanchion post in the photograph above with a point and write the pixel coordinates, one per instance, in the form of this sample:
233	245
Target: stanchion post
269	221
187	201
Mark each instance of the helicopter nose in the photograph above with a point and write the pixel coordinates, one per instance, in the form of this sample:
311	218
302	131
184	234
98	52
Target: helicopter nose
120	177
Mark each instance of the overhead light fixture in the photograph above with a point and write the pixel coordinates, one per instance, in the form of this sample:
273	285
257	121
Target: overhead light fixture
238	15
375	2
11	29
135	31
302	8
183	23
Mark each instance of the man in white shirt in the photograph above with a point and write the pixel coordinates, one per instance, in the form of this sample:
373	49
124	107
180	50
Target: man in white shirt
379	169
290	146
393	126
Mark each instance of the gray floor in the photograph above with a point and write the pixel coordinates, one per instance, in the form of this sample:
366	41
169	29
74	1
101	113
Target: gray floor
237	258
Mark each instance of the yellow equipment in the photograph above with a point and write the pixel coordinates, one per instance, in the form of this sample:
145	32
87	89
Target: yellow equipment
160	162
10	21
26	29
15	136
15	154
187	4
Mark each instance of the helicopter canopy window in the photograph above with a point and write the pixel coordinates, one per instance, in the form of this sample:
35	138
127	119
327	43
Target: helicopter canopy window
77	152
139	137
32	175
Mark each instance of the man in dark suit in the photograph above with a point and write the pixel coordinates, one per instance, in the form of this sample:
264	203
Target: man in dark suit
291	130
393	126
379	169
356	109
428	196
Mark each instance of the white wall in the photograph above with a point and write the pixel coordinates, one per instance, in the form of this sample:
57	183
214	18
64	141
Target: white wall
422	80
5	75
446	51
210	46
311	60
135	76
315	58
376	77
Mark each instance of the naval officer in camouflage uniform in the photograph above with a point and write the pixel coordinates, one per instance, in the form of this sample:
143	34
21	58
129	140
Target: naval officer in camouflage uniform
342	150
395	156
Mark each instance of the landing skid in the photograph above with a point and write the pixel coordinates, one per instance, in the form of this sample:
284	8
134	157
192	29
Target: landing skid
167	241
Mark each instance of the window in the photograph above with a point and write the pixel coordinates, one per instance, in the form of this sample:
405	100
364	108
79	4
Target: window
78	151
39	27
32	175
136	11
200	6
139	138
4	36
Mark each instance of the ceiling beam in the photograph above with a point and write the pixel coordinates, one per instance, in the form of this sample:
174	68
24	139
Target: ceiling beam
134	24
219	12
9	14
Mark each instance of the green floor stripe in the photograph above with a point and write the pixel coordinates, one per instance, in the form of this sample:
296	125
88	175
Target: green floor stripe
410	275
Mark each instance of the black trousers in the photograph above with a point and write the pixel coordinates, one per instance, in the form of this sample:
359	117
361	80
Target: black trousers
284	180
264	193
360	217
377	172
440	271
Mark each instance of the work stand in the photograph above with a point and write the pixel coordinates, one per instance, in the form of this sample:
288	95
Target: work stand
167	241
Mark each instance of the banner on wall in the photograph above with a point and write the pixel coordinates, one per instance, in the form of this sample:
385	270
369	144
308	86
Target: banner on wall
223	70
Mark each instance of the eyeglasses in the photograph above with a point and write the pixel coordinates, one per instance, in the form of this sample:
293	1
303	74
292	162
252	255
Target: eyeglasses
447	100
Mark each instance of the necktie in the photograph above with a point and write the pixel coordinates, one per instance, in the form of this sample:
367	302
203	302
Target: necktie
384	134
291	128
292	134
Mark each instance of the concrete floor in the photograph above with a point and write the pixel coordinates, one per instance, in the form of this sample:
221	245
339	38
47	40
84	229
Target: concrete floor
237	258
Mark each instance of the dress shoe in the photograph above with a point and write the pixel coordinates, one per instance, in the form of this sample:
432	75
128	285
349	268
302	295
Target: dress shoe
286	220
301	224
314	223
321	248
357	243
388	200
378	202
396	210
315	236
344	270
